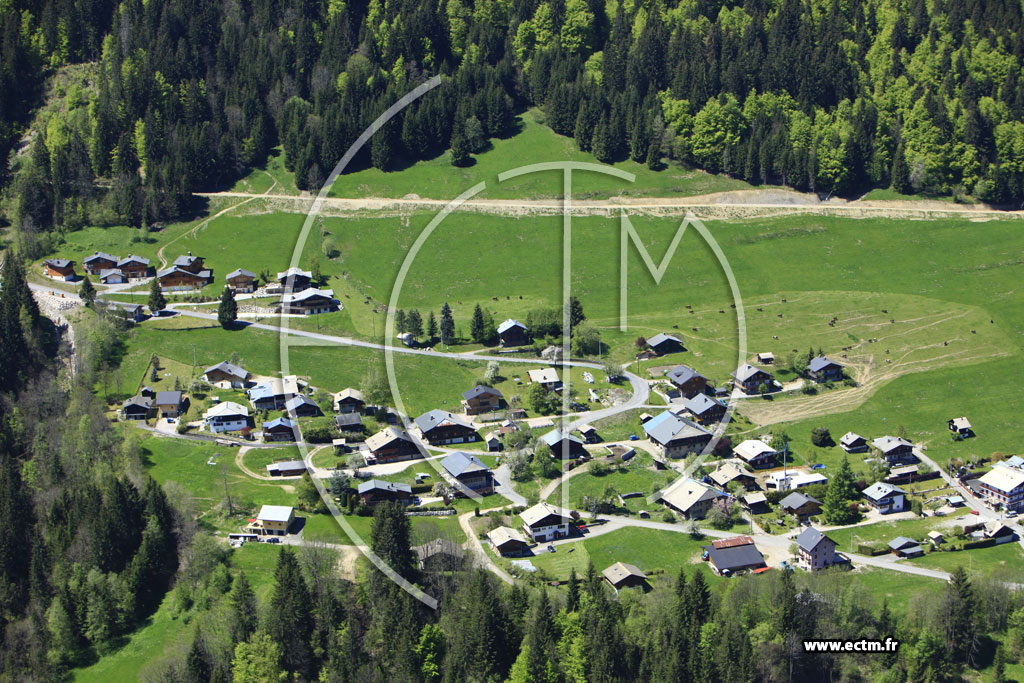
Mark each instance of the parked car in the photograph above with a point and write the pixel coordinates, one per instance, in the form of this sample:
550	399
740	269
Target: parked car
1011	513
273	539
634	437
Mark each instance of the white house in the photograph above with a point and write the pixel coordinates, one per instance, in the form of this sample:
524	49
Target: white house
226	417
755	453
544	522
885	497
1004	487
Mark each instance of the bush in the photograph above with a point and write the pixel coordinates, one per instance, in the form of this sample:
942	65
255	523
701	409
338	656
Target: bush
822	437
669	517
319	430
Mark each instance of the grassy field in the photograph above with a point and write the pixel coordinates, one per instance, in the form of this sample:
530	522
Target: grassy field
636	475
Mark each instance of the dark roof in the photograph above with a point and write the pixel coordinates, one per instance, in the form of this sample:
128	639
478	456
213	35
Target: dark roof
661	338
228	368
796	500
735	557
300	400
460	463
810	538
746	371
132	258
58	262
279	422
168	397
187	260
701	403
667	427
140	401
429	420
820	363
348	420
682	373
480	390
100	255
239	272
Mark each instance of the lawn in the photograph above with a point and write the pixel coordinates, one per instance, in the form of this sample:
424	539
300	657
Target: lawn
634	476
1006	559
533	143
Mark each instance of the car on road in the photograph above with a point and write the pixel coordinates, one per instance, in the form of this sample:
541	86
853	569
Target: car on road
273	539
634	437
1011	513
551	548
171	420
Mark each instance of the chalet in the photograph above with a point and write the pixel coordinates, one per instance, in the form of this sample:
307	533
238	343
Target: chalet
674	436
295	279
175	279
730	472
99	261
894	449
308	302
492	441
589	433
170	403
137	408
507	542
513	333
133	267
728	556
565	446
704	409
755	503
853	443
227	417
816	550
663	344
279	429
112	276
545	522
755	453
469	473
303	406
349	422
750	379
241	281
481	399
822	369
901	546
193	264
1003	487
59	269
349	401
885	497
621	575
800	506
272	520
376	491
391	444
274	393
547	377
687	381
226	374
961	426
691	498
439	555
441	428
286	468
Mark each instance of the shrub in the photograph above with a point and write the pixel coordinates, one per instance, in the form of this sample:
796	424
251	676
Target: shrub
669	517
822	437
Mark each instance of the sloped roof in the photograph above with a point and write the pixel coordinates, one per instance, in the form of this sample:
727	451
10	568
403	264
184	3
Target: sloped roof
890	443
543	376
226	408
295	402
735	557
661	338
386	436
701	403
685	493
349	392
753	448
850	437
480	390
237	272
433	418
132	258
504	534
460	463
961	423
621	571
682	373
902	542
279	422
100	255
275	513
373	484
819	363
796	500
746	371
880	490
228	368
509	324
294	271
728	472
165	398
186	260
58	262
312	292
810	538
556	436
1003	479
140	401
540	511
667	427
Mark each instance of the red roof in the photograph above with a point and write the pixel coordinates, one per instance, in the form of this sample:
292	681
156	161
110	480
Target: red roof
731	542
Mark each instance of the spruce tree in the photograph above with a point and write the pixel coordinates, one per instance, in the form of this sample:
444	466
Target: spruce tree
900	172
447	327
414	323
459	148
290	621
840	492
572	598
431	326
476	326
576	315
87	293
227	311
401	325
243	609
157	302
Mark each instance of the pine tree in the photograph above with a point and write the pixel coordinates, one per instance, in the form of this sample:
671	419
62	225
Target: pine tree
157	302
900	172
401	325
961	622
576	315
414	322
839	494
290	622
197	665
243	609
447	327
227	311
459	148
572	598
87	292
476	326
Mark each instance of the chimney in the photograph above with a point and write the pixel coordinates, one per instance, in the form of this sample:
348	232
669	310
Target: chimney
190	254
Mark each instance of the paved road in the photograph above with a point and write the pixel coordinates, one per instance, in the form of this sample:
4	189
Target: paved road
503	479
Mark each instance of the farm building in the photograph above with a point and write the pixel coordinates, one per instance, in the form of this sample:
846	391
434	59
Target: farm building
589	433
492	441
621	575
755	503
469	472
286	468
822	369
676	436
391	444
513	333
441	428
564	446
687	381
727	556
901	546
295	279
663	344
376	491
481	399
349	422
507	542
302	406
766	358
